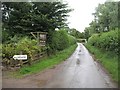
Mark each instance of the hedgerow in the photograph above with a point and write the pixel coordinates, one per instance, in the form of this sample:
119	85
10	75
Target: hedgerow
107	41
24	45
60	41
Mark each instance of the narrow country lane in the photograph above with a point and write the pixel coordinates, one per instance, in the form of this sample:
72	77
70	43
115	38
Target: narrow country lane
83	74
78	71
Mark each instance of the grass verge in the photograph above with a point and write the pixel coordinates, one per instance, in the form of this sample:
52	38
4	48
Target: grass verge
45	63
108	59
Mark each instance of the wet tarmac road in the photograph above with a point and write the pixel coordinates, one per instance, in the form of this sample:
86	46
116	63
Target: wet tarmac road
80	71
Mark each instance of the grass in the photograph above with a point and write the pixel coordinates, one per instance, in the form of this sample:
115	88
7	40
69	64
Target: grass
45	63
108	59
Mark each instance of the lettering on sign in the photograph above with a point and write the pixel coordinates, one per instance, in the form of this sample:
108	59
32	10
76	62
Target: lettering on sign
20	57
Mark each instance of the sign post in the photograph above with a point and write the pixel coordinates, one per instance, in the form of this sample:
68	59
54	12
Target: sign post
20	57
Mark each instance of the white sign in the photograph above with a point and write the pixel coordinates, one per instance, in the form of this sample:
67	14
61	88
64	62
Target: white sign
20	57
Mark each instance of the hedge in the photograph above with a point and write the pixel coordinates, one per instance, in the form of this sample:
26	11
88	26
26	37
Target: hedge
61	40
107	41
24	45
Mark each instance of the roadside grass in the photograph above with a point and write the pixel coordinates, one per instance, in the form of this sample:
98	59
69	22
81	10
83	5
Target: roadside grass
108	59
45	63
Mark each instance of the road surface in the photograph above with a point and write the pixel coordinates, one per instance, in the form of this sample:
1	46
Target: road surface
78	71
85	74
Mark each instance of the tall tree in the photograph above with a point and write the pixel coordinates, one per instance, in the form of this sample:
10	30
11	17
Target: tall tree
105	18
24	17
107	15
16	17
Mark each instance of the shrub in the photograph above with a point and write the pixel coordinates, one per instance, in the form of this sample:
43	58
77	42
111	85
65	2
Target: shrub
72	40
24	45
28	46
107	41
60	41
63	40
8	50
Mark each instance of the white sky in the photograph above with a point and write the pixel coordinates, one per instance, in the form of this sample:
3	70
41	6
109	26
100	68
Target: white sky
82	14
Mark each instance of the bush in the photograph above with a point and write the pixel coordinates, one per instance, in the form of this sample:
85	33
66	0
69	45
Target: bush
72	40
61	40
107	41
8	50
28	46
92	40
24	45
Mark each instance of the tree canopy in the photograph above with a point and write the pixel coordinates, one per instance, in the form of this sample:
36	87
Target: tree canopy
21	18
105	19
24	17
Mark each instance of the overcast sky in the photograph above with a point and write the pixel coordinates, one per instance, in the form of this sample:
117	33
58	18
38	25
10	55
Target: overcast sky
82	14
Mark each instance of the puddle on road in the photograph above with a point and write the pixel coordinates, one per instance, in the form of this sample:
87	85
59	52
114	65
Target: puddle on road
78	61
